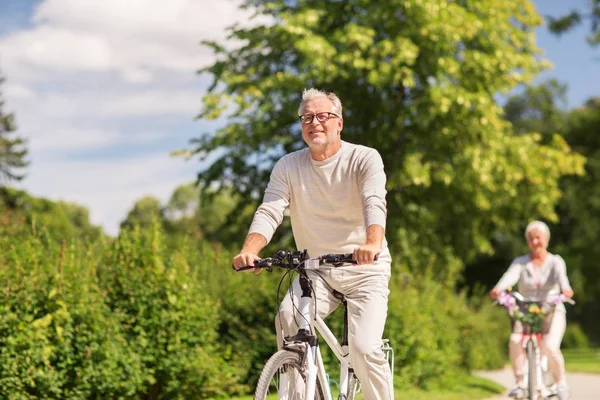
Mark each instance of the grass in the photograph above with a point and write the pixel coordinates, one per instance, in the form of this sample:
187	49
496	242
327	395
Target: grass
582	360
477	388
471	388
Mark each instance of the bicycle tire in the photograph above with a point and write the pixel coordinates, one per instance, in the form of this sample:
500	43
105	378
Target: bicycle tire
531	372
279	361
352	387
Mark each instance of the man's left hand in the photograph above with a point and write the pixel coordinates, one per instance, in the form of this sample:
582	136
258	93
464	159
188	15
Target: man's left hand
366	254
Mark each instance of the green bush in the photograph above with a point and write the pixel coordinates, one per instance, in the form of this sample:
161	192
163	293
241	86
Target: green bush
58	340
130	318
574	337
247	313
168	319
63	220
437	335
130	324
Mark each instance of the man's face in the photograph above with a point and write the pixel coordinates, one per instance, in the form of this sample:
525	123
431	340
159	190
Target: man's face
320	135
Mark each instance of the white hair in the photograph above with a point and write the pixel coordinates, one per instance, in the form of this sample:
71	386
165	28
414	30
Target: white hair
312	93
540	226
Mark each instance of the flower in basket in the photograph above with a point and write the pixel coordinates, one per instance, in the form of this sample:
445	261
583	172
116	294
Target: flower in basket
535	309
533	316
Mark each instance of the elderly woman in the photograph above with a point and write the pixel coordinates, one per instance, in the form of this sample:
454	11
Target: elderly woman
537	273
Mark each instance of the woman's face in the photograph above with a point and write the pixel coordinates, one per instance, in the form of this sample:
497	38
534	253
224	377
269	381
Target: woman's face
537	241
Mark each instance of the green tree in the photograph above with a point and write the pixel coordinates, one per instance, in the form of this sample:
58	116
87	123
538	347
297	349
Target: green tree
61	220
579	228
143	214
418	80
560	25
574	234
79	216
13	150
183	202
207	214
541	108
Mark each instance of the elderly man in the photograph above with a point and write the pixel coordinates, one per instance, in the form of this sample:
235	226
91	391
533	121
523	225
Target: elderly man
335	192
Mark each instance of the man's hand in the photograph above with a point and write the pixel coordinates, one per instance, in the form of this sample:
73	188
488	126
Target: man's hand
252	245
366	254
494	293
568	293
245	258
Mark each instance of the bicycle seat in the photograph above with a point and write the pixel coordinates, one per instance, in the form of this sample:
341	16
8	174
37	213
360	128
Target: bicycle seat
338	296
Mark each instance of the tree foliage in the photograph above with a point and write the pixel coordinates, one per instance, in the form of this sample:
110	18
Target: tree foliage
579	228
418	79
542	108
143	214
126	320
60	219
563	24
13	150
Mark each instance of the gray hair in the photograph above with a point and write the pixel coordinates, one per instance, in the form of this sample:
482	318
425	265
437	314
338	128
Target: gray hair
312	93
540	226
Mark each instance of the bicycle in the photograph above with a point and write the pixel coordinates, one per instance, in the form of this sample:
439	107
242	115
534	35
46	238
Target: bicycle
535	315
297	370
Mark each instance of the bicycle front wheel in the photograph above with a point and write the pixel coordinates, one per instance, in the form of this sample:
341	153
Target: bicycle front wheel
284	376
532	371
353	386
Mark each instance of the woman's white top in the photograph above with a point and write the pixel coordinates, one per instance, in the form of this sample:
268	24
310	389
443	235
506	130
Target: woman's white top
536	281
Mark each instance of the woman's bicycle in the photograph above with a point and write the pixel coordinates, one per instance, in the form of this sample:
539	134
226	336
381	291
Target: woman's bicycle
297	370
535	315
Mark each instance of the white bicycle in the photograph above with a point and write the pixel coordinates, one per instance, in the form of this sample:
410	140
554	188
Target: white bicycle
297	370
534	314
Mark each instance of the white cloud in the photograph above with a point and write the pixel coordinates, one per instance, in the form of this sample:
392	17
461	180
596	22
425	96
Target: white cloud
97	105
109	190
155	102
19	92
131	37
58	48
136	75
97	84
64	139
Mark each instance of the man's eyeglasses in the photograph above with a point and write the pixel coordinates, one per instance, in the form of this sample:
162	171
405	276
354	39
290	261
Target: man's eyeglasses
321	117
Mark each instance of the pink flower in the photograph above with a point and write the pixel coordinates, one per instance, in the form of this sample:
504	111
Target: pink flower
507	301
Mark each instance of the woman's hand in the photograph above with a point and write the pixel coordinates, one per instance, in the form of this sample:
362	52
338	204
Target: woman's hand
568	293
494	293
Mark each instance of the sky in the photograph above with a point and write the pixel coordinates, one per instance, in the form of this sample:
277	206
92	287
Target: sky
105	90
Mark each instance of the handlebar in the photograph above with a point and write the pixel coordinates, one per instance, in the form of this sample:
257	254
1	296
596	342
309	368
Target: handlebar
299	260
532	312
510	298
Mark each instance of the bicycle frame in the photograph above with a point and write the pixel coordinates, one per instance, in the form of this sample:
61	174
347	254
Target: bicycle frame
316	367
305	342
541	386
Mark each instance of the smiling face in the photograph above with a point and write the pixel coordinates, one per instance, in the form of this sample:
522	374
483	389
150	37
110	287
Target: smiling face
537	242
323	138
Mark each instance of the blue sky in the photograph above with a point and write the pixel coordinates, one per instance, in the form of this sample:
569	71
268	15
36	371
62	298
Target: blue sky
105	89
575	62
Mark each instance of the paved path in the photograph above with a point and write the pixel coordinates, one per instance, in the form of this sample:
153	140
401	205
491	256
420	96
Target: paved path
582	386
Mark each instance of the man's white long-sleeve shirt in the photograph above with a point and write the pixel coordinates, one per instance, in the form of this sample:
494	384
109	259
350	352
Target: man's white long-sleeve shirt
331	202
